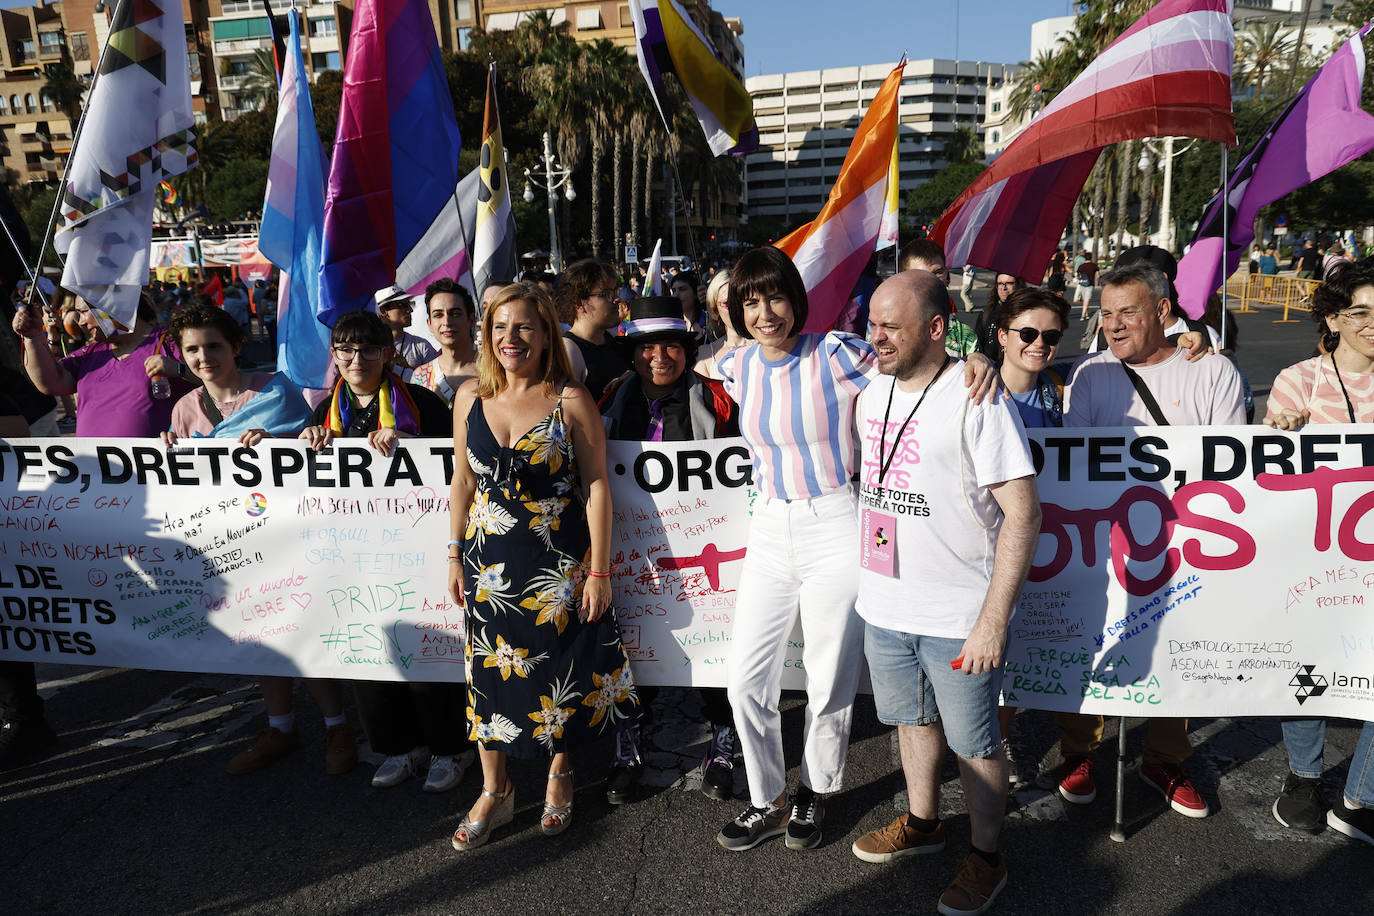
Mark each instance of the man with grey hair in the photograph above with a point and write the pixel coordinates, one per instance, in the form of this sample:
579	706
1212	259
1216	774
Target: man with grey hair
1143	380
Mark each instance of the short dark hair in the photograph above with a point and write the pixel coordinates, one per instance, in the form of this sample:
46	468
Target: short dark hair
360	328
686	276
453	288
1032	297
578	282
147	308
920	250
760	272
201	315
1337	292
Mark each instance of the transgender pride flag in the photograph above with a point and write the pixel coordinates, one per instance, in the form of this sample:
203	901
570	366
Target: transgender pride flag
395	163
292	220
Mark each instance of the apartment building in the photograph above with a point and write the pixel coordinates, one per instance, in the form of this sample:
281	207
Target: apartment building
807	120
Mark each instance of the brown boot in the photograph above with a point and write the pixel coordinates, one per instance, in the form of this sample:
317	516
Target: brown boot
269	746
340	749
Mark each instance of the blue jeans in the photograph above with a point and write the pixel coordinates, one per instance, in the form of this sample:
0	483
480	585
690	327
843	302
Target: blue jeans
1305	740
913	684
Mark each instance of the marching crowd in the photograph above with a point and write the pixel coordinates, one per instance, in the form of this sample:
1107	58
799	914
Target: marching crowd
912	563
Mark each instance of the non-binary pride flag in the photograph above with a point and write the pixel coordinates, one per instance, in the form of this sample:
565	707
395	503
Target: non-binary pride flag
1169	74
293	223
138	131
668	41
1321	130
832	250
395	161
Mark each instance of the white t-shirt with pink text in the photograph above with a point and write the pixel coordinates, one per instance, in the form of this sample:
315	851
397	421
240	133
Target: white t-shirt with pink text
936	489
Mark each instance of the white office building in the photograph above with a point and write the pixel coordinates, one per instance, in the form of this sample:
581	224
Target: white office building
807	120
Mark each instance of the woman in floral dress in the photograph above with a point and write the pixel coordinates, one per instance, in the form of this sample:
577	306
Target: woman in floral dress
529	560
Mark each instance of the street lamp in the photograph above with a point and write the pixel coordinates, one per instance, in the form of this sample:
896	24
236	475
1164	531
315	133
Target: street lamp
555	177
1166	156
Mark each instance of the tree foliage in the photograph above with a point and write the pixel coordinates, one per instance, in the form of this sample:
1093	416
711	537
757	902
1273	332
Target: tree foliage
236	189
928	200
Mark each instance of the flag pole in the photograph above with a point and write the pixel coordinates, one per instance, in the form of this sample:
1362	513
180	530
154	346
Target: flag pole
71	154
1225	237
32	280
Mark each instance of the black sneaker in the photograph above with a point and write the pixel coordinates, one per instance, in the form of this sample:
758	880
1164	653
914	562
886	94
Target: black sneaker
754	826
718	777
620	788
1356	823
804	827
1299	805
21	739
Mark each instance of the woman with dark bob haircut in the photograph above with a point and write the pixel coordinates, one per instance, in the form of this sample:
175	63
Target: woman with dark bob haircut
797	394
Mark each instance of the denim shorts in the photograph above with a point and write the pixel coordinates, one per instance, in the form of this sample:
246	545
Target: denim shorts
913	684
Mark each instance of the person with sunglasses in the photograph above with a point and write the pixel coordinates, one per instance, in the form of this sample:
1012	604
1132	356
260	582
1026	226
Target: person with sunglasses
417	726
1029	329
408	352
1336	386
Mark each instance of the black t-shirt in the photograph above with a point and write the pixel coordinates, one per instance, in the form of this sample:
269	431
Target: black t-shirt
436	419
604	363
1309	259
25	398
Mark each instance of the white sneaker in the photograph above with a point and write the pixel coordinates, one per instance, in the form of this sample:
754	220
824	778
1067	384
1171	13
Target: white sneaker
396	770
445	772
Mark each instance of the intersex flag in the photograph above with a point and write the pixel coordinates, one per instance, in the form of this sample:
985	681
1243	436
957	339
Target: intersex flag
1168	74
832	250
890	232
395	161
668	41
1321	130
291	235
138	131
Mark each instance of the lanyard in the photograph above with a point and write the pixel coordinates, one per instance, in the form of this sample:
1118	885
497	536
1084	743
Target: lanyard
885	465
1349	407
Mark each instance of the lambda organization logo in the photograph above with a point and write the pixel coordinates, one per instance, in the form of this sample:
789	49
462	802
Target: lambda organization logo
256	504
1309	685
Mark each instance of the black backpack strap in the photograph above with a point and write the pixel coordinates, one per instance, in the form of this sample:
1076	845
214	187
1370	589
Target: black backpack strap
211	410
1144	391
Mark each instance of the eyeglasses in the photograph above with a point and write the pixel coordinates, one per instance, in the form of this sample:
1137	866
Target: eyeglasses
1357	318
1028	336
1006	283
367	354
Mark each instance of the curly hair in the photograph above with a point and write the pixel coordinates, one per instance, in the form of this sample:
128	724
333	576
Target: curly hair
578	282
202	315
1336	294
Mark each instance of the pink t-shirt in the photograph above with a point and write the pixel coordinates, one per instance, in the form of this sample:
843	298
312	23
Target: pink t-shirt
189	416
1312	385
114	396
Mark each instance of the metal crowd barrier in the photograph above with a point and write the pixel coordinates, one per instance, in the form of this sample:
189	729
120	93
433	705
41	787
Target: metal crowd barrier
1292	294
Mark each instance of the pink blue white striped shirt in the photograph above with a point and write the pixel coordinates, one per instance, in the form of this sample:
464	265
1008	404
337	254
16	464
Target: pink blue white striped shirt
797	413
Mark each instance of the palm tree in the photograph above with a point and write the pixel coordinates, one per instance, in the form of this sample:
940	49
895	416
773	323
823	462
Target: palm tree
1125	167
64	89
1260	49
259	86
605	63
964	146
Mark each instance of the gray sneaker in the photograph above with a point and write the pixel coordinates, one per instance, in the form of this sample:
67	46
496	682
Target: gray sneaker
753	826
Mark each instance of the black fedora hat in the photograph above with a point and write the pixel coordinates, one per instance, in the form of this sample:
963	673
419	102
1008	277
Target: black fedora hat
656	318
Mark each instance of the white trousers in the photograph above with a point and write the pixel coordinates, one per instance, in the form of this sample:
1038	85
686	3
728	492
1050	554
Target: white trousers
803	558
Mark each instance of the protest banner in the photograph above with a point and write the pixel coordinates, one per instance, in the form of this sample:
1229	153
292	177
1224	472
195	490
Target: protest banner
1180	571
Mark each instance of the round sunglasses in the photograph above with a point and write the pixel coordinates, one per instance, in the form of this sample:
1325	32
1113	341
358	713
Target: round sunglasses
1028	336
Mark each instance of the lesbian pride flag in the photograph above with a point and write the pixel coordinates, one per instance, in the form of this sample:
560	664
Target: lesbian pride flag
1169	74
832	250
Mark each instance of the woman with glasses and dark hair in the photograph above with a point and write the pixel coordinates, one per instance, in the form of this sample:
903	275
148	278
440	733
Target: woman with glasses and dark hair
1336	386
986	328
418	726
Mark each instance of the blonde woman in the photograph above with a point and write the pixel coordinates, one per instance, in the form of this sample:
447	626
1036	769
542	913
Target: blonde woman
718	312
529	560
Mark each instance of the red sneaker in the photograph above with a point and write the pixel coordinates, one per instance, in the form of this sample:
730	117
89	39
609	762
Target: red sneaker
1171	782
1076	784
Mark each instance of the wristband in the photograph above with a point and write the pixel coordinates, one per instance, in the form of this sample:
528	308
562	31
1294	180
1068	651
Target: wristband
455	559
591	573
455	543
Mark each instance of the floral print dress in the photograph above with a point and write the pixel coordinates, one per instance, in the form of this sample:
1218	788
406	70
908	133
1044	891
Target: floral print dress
540	681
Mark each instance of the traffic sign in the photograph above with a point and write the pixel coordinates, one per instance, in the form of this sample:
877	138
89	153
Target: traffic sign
632	252
1281	221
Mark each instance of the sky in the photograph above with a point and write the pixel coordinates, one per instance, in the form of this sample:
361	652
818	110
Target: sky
785	35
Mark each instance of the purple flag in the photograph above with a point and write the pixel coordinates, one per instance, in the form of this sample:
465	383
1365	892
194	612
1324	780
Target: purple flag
1321	130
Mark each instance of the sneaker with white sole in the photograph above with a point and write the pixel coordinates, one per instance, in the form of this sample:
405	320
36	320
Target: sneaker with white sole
1170	781
1356	823
804	826
753	826
396	770
447	770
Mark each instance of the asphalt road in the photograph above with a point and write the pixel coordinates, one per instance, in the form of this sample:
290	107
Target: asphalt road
132	812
